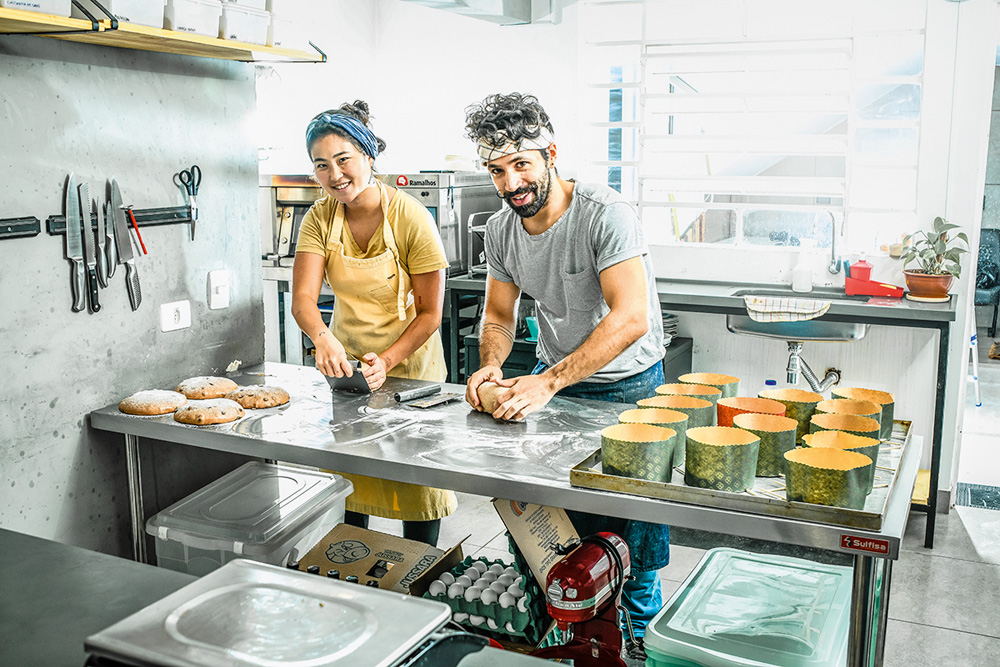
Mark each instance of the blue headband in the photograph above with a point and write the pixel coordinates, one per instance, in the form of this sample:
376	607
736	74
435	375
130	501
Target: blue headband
354	128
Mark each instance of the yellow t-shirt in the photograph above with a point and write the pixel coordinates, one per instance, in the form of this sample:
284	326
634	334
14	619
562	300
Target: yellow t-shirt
417	238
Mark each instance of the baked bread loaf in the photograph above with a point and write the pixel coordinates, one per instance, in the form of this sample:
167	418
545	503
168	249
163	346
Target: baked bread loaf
152	402
209	411
257	396
206	387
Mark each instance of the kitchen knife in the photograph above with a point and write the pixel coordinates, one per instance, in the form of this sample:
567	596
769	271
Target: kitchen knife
110	247
102	258
74	245
124	243
89	248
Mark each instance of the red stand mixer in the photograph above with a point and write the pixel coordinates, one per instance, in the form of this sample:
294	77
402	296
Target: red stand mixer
583	595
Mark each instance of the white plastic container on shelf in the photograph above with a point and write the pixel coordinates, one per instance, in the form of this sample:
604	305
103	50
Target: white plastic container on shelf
259	511
252	4
287	34
740	609
198	16
53	7
143	12
243	24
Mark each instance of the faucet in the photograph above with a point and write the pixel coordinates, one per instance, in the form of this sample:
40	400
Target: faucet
835	261
797	364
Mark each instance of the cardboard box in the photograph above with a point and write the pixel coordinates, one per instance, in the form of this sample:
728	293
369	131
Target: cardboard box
536	530
399	565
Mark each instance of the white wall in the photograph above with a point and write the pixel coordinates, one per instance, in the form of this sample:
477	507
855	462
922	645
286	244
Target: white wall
418	68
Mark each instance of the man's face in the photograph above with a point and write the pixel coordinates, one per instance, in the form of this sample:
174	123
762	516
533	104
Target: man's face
523	180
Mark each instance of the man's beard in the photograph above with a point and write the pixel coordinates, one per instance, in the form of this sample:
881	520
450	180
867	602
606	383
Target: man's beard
540	189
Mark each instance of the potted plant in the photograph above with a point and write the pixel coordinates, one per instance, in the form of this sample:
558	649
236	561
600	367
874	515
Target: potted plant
938	257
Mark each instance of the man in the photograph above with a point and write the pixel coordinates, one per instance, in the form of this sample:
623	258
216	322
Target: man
578	250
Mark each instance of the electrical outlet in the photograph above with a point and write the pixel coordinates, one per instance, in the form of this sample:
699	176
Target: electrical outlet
175	315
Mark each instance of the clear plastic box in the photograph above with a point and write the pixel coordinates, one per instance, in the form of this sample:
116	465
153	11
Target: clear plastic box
198	16
259	511
143	12
740	609
243	24
53	7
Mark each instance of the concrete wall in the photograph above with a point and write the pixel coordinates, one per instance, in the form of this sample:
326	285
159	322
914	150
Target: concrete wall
140	117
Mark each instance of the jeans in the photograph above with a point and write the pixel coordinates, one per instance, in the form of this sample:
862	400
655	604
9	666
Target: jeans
648	543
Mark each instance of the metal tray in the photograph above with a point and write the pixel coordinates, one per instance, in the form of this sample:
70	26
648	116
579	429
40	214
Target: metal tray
249	614
768	496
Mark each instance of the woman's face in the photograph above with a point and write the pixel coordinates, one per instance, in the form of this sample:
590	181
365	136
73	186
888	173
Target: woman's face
342	170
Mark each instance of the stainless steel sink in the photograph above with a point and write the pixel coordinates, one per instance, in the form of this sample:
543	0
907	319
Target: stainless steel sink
817	329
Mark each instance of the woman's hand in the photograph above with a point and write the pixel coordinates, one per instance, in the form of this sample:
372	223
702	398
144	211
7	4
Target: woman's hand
376	372
331	357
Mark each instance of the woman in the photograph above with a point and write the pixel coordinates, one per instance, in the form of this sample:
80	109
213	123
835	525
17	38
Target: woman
379	251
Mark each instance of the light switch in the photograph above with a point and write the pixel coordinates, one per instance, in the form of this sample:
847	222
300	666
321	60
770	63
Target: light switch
218	289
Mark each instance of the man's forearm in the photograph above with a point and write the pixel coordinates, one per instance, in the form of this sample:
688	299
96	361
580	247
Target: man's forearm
608	340
495	343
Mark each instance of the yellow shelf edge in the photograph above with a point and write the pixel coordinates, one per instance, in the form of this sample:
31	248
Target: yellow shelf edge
147	38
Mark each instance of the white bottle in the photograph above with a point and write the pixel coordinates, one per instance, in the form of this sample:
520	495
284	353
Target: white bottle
802	275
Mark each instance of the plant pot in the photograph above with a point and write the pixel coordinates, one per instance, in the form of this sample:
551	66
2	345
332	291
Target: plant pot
928	286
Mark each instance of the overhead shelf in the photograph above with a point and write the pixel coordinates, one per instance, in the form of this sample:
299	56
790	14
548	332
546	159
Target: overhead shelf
135	36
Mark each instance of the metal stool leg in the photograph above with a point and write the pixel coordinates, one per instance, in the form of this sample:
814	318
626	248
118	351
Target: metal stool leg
975	366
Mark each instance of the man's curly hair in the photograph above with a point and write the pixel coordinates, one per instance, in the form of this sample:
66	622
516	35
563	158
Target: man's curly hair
511	114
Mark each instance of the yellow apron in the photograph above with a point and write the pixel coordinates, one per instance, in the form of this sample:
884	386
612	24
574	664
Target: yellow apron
373	307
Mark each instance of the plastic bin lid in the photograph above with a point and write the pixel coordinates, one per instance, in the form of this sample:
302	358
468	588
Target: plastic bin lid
256	504
738	608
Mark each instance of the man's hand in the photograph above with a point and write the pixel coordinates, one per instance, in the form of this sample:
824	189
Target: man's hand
527	394
484	374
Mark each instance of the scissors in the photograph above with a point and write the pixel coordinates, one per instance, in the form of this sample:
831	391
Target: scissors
191	179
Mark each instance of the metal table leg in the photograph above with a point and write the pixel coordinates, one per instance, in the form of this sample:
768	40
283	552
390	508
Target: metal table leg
869	611
136	510
859	637
453	333
883	610
942	381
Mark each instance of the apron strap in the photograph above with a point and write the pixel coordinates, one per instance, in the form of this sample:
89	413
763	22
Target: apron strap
390	243
337	231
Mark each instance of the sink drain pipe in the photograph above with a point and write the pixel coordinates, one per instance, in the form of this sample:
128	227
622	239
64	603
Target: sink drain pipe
796	365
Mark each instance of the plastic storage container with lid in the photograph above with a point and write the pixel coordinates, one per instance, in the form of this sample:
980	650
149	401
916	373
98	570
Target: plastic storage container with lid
244	24
740	609
143	12
53	7
259	511
198	16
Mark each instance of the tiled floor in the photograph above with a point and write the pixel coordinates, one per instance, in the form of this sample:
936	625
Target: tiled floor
943	606
979	460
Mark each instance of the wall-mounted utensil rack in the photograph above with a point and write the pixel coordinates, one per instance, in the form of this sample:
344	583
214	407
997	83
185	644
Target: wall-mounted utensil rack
144	217
12	228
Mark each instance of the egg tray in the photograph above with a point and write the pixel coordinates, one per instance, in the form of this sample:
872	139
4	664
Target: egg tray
528	625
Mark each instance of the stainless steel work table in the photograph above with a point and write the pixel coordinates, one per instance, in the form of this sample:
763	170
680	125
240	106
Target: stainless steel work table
704	296
452	446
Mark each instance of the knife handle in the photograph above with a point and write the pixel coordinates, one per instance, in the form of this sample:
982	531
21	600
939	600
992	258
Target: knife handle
95	301
77	284
111	249
102	264
132	282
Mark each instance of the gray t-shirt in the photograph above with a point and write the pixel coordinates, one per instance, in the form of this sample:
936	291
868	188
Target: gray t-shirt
560	269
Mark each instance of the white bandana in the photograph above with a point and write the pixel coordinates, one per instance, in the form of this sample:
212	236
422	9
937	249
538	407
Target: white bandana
488	151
